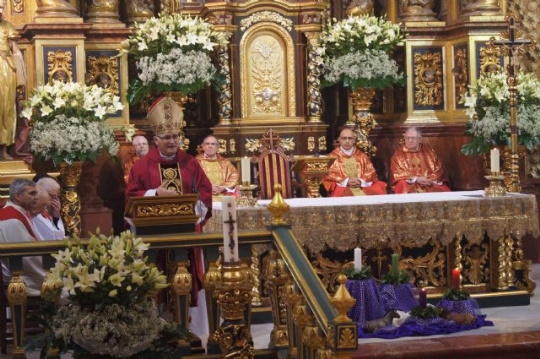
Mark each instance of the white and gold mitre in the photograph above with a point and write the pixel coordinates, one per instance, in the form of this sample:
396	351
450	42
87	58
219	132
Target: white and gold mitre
166	116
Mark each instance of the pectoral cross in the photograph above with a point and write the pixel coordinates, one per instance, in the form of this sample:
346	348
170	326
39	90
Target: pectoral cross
231	223
513	47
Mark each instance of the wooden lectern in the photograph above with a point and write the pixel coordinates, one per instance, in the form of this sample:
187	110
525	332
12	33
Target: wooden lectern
311	171
158	215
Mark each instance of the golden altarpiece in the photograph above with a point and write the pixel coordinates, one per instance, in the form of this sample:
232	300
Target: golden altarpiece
274	72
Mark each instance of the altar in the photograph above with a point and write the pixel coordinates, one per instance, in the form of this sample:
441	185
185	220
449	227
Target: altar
432	233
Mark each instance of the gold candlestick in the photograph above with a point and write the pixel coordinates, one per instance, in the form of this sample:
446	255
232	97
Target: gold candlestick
495	188
246	195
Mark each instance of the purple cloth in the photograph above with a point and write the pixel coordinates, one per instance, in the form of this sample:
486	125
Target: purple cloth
398	296
469	306
368	304
423	327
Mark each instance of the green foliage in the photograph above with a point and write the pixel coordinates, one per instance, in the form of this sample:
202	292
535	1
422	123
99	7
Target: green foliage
402	277
354	274
456	294
429	312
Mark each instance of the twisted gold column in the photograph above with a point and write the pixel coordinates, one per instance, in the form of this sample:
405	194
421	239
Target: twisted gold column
363	120
70	176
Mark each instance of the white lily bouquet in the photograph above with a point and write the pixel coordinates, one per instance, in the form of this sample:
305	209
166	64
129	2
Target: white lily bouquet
488	107
108	282
68	121
172	53
356	51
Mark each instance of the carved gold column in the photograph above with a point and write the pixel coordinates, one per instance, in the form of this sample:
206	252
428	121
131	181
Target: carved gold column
295	318
212	278
502	263
181	287
225	94
363	121
234	295
70	176
17	299
314	78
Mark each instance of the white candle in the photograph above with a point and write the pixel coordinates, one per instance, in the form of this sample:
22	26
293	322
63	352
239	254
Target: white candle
246	170
230	229
358	258
495	160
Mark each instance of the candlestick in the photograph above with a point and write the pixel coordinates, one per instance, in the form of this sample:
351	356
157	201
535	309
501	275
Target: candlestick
395	263
245	165
422	298
358	259
495	160
456	278
230	229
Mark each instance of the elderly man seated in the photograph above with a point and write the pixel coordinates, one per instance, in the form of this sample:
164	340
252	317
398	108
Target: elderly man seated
352	173
415	168
16	226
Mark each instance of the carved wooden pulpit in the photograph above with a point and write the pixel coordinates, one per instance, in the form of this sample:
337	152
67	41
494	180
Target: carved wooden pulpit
311	171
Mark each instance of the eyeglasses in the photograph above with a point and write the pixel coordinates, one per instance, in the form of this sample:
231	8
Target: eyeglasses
411	138
168	137
347	138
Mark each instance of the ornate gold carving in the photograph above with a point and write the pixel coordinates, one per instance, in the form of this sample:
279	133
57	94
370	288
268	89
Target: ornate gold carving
103	72
314	78
224	94
232	146
461	79
428	79
17	6
279	289
347	338
255	145
322	144
222	146
70	176
278	207
342	301
501	270
476	258
360	7
102	11
138	11
266	16
311	144
479	7
60	65
161	210
16	293
417	10
490	59
363	120
181	283
267	72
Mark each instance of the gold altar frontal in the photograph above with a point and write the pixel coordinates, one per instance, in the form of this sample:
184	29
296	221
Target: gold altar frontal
432	233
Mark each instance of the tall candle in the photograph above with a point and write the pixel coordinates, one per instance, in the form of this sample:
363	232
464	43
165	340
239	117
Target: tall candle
495	160
358	259
395	263
456	278
230	229
422	298
245	166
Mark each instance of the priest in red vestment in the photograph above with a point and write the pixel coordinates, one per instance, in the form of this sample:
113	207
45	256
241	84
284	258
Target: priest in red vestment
168	171
415	167
352	173
221	172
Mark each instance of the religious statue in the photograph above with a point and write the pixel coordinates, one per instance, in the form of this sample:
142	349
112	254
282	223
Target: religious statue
12	76
417	10
138	11
360	7
55	8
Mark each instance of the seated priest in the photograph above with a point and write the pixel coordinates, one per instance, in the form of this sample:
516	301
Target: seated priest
352	173
415	167
221	172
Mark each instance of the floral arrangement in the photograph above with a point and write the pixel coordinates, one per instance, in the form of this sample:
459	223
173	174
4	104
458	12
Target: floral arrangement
455	294
400	277
107	284
356	51
68	121
489	113
172	53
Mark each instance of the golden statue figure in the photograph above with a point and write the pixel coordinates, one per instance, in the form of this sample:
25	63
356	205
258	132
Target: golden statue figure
55	8
138	11
360	7
12	75
417	10
102	11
